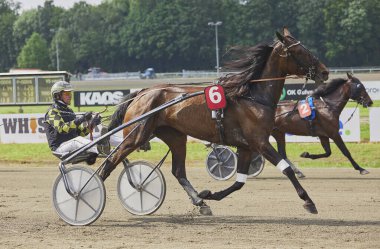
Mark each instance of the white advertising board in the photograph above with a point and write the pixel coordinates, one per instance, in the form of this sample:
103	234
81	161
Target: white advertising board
373	89
22	128
28	128
374	124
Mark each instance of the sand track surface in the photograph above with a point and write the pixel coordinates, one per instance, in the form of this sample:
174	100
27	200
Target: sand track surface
266	213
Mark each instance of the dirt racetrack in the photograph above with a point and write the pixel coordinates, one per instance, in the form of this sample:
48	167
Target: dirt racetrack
266	213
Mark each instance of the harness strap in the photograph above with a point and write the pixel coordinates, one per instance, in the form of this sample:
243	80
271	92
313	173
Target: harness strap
219	123
312	128
277	78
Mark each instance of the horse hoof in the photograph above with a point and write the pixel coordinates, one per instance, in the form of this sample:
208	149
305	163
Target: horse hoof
205	194
364	172
300	174
310	207
205	210
305	155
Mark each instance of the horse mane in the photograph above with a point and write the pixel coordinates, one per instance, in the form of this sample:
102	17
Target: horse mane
251	64
118	116
326	89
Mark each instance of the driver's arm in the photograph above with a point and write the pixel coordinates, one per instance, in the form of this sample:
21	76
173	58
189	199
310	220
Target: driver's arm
55	119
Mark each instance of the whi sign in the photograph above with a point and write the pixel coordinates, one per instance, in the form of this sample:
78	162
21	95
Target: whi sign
29	128
94	98
22	128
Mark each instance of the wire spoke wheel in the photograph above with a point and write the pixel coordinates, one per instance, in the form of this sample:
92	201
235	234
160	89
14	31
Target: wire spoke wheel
89	198
256	166
221	163
150	188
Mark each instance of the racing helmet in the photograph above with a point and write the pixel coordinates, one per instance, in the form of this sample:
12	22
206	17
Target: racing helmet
59	87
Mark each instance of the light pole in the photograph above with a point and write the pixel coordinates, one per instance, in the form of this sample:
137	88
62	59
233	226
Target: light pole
56	47
216	24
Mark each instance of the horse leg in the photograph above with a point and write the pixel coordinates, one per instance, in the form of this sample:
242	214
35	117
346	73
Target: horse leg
326	146
339	142
177	144
281	148
136	139
244	157
275	158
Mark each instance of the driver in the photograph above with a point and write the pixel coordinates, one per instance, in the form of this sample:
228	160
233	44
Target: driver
64	130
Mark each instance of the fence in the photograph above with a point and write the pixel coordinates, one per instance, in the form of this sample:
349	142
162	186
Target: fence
200	74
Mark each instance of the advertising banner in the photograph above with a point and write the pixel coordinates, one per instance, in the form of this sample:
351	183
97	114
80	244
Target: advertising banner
95	98
22	128
374	124
293	91
373	89
29	128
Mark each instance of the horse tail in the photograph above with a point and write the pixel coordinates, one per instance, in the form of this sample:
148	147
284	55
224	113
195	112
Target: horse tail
118	116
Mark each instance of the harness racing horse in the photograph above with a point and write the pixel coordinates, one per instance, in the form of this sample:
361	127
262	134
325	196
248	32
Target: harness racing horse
330	99
248	118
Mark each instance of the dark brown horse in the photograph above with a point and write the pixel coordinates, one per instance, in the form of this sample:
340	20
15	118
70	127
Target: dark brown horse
248	118
330	99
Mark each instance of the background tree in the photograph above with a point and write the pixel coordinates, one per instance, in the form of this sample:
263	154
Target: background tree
311	26
8	16
65	52
34	54
347	31
170	35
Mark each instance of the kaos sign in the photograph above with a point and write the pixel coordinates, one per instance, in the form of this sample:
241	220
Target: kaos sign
93	98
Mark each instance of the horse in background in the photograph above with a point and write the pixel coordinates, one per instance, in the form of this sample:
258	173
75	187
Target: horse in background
330	99
248	118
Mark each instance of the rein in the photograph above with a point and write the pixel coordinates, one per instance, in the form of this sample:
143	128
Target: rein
278	78
352	114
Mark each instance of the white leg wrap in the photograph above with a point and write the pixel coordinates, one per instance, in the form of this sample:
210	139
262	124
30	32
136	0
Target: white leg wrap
282	165
241	177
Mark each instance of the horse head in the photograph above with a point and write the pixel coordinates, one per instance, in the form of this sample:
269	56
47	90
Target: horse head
298	59
358	91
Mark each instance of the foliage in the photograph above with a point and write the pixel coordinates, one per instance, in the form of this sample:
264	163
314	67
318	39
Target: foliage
62	43
8	17
170	35
34	54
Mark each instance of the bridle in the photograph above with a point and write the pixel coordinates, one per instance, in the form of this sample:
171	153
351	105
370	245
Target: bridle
355	91
310	69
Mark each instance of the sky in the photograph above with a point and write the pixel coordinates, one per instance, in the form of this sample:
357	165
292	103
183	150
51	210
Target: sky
31	4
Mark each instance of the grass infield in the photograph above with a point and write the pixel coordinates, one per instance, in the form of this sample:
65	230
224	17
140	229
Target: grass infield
365	154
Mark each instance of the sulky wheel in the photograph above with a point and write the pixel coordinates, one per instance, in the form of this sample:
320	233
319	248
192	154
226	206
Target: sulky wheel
143	191
88	200
256	166
221	163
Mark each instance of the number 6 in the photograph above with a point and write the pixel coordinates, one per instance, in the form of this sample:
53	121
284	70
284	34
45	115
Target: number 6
214	95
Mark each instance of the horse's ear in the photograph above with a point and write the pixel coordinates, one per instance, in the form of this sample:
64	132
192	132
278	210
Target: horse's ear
280	37
349	75
286	31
